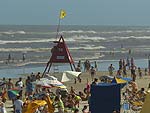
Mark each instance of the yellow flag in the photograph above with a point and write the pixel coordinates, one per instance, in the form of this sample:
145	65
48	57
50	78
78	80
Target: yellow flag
62	14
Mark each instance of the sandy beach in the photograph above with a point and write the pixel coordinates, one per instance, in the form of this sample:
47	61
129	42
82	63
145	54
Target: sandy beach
142	82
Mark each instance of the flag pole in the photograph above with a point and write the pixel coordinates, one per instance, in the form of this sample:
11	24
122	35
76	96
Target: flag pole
58	26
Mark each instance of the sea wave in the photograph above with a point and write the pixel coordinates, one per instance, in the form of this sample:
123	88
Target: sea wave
25	41
27	49
118	38
79	31
85	38
88	47
13	32
74	38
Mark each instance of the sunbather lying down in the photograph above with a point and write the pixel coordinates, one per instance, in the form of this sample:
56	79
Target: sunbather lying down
136	105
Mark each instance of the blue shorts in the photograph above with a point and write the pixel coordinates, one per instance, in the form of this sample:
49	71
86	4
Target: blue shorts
18	111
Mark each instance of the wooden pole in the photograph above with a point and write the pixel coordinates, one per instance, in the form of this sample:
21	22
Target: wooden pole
45	69
71	67
49	67
74	67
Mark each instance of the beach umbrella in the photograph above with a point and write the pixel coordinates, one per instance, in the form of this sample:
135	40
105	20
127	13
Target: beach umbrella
12	93
50	81
54	82
119	81
69	75
43	83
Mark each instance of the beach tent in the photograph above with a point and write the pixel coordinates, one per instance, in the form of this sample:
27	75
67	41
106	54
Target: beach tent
69	75
105	98
146	105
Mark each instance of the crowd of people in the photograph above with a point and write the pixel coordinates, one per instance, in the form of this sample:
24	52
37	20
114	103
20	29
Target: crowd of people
124	67
61	100
68	99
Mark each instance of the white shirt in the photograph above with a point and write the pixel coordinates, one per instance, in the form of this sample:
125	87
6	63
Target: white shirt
18	104
20	85
2	108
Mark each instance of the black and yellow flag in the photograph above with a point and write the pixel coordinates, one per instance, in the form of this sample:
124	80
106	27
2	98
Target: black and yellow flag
62	14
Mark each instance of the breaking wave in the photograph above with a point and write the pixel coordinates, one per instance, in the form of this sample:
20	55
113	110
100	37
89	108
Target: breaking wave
25	41
27	49
132	37
85	38
13	32
79	31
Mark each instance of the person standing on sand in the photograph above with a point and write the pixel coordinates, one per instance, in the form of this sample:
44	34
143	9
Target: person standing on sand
124	71
92	72
133	69
4	85
10	84
85	66
120	64
20	86
128	62
95	66
111	69
18	105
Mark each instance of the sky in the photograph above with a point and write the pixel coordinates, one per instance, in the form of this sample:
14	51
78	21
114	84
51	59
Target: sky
79	12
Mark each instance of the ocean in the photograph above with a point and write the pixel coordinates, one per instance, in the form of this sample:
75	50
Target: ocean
104	44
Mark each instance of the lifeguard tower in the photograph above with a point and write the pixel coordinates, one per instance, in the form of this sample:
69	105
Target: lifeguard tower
60	54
